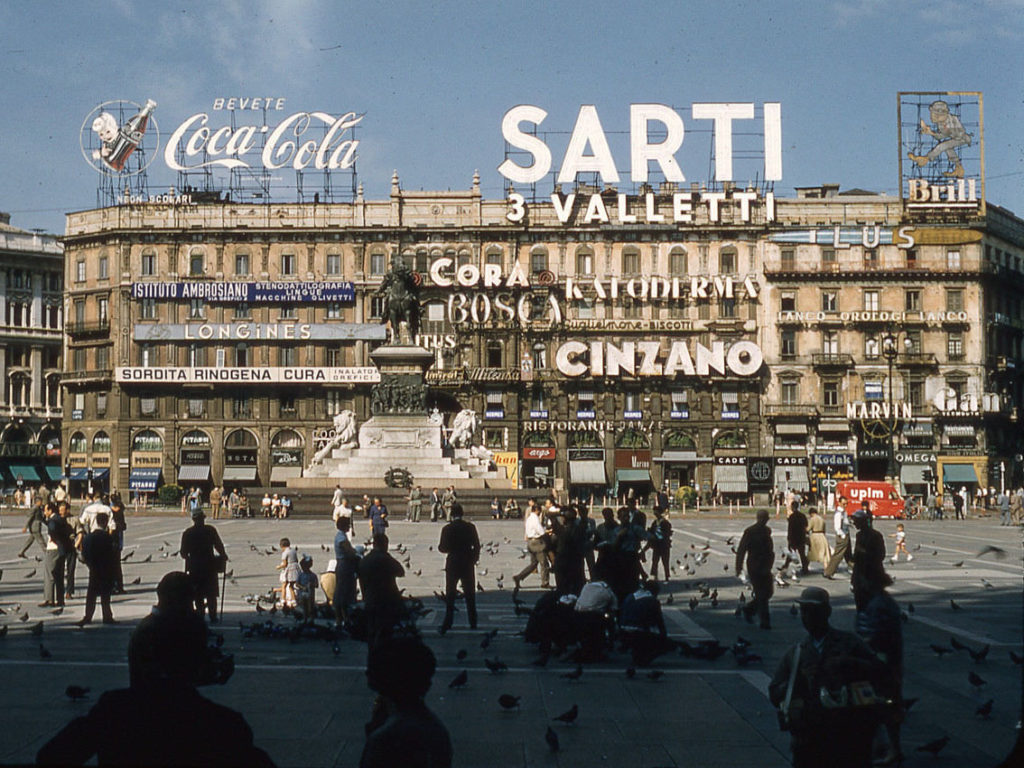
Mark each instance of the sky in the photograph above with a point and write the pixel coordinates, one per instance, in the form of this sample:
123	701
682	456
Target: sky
433	81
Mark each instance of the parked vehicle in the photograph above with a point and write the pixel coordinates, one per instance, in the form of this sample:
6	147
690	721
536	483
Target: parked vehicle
883	500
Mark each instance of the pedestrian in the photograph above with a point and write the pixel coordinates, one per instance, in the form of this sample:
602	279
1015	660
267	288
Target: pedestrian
435	505
195	500
342	510
97	503
1003	500
961	508
756	548
659	542
495	508
1017	507
337	496
843	550
415	499
901	544
57	546
378	579
378	517
796	534
537	548
402	730
34	525
216	497
233	501
936	507
814	685
72	556
868	557
880	625
346	561
286	507
205	557
448	499
570	546
594	619
289	568
275	507
642	625
818	548
120	526
101	557
266	504
460	543
305	589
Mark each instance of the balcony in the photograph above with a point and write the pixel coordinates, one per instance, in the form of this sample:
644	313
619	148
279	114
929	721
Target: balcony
832	360
70	377
791	410
88	328
917	360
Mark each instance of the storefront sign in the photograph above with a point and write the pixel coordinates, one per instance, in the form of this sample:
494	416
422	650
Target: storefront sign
869	452
790	461
237	375
680	413
832	460
195	457
445	378
159	332
196	439
585	425
496	375
147	459
587	413
286	457
531	453
914	457
78	460
538	414
759	473
879	409
240	457
510	461
641	359
632	415
838	237
101	460
731	461
632	459
23	450
791	317
284	291
494	413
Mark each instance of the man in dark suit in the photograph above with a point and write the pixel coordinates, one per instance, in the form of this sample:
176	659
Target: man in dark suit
796	535
868	559
756	547
201	547
100	555
460	542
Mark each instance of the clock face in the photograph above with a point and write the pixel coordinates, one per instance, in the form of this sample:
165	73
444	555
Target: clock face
877	429
760	470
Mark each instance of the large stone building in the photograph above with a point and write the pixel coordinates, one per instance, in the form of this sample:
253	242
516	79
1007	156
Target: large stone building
720	339
31	284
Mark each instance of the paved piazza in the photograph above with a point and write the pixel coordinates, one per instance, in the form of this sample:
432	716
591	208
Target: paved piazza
307	705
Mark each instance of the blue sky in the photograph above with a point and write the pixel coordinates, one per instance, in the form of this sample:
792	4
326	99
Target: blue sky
435	79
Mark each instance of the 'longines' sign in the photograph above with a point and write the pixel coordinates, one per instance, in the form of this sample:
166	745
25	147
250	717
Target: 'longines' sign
252	293
259	331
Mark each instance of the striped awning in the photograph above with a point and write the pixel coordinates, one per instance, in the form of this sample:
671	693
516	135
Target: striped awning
247	474
198	473
280	474
797	478
731	479
587	473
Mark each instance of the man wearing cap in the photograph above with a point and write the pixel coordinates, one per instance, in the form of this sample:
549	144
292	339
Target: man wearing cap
204	555
868	558
816	690
756	547
461	543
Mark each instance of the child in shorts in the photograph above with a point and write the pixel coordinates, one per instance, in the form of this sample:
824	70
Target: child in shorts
306	588
901	544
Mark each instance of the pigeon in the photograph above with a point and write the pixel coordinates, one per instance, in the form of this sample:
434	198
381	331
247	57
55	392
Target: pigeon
76	692
459	680
979	655
934	746
37	629
508	701
552	739
987	584
496	666
124	559
57	611
336	649
985	709
957	645
569	716
976	680
576	674
461	654
694	602
44	652
954	605
30	574
149	558
910	607
669	600
3	631
794	610
488	636
229	574
138	580
655	674
908	704
23	617
1016	659
959	564
940	650
999	553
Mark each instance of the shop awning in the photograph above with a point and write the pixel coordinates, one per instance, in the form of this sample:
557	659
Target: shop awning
917	429
958	473
797	478
240	473
791	429
680	456
833	425
632	476
54	473
913	474
959	430
144	479
280	474
731	479
198	473
587	473
28	472
100	474
80	474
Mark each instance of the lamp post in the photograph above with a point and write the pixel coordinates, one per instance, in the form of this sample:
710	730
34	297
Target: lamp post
890	351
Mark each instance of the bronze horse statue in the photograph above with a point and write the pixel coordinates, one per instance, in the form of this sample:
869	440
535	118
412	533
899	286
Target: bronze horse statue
401	300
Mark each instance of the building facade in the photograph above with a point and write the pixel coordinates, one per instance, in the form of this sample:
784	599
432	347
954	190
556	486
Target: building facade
723	340
31	341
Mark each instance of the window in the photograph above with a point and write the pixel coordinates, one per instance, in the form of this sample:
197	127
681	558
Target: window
912	300
335	357
911	256
494	354
80	271
196	309
954	300
104	268
148	264
147	310
376	307
955	345
630	402
680	403
631	262
830	343
870	301
287	403
289	357
220	357
677	262
727	261
464	258
584	261
242	264
790	391
196	263
241	355
538	260
703	310
537	399
241	408
196	356
915	392
727	308
914	347
147	405
730	405
336	402
333	263
829	301
243	311
788	343
287	264
103	309
828	258
196	407
102	358
101	404
631	308
585	309
788	256
377	266
288	312
870	259
493	256
952	259
540	355
79	311
147	355
872	347
333	310
79	358
830	394
494	439
787	302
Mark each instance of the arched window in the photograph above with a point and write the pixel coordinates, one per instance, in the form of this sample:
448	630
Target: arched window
678	440
465	257
677	266
287	438
101	442
584	440
495	255
78	443
241	438
733	438
147	440
196	439
632	438
540	355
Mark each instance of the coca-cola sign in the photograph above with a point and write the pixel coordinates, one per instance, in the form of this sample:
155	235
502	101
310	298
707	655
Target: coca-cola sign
120	138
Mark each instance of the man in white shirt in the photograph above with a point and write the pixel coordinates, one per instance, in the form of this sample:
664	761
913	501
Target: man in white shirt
841	551
536	545
337	497
342	509
97	504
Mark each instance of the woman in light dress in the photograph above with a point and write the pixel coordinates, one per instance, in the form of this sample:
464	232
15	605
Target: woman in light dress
819	550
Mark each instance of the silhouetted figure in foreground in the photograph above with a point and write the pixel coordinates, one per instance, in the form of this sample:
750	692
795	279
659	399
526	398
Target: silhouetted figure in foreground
100	555
205	557
461	544
160	719
402	730
756	547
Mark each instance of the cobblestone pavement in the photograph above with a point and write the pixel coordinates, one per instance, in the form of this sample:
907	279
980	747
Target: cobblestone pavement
698	713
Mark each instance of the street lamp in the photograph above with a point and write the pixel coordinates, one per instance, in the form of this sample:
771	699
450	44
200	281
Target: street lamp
890	351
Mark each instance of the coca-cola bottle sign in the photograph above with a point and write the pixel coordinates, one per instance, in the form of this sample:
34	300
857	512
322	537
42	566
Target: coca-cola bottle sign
120	137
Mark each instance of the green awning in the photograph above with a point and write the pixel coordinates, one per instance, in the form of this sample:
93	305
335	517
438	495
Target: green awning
28	472
632	476
959	473
54	473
